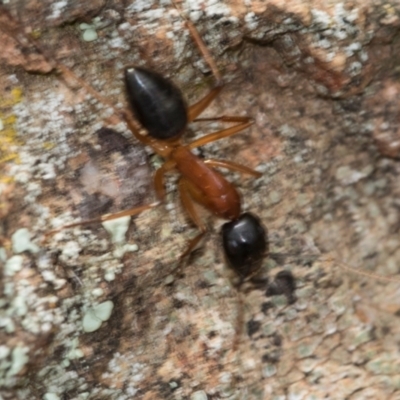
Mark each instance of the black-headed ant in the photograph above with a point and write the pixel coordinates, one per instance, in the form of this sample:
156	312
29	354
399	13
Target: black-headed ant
178	357
160	108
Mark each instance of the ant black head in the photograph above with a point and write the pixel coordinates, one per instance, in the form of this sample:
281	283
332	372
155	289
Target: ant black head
157	103
245	244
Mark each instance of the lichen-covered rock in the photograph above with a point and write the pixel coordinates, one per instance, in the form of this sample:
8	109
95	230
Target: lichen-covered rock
327	195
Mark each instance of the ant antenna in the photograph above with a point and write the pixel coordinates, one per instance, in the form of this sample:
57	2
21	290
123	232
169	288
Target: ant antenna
66	73
202	47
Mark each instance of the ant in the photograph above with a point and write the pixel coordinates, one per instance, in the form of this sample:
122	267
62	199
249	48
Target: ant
160	108
245	256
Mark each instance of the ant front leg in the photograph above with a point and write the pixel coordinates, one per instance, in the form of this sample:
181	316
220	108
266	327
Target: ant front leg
133	127
196	109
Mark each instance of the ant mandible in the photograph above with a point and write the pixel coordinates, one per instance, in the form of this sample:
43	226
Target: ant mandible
160	108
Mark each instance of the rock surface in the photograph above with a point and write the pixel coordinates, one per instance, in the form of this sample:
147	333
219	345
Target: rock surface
320	80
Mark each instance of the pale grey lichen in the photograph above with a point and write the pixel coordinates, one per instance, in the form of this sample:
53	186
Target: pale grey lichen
21	241
96	315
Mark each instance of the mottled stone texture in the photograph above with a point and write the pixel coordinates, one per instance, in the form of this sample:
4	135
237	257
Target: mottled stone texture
320	80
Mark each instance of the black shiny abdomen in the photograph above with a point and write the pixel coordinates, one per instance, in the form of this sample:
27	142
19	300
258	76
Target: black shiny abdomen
245	244
156	102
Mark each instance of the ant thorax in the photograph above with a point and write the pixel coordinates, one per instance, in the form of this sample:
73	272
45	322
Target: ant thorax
102	311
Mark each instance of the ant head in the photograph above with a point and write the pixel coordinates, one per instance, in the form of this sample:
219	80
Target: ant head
156	102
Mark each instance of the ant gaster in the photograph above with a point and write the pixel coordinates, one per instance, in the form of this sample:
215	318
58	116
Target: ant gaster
162	112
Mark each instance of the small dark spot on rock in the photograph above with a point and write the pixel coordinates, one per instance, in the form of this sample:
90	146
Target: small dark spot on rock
277	340
111	141
94	205
216	16
253	327
165	389
202	284
266	306
311	317
385	330
271	357
284	283
351	105
212	334
178	303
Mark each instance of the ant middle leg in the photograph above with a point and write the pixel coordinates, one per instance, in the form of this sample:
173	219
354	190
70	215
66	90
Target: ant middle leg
243	123
196	109
233	167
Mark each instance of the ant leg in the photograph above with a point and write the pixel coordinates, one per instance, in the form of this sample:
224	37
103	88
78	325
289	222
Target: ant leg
160	191
134	128
232	166
205	52
244	122
106	217
68	75
224	118
239	323
201	46
65	74
185	190
197	108
159	179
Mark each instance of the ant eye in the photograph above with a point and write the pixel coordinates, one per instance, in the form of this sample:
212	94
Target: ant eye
156	102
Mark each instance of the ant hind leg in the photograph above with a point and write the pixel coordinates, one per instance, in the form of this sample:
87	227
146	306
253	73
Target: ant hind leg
106	217
160	192
185	192
159	179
